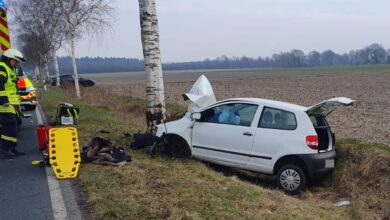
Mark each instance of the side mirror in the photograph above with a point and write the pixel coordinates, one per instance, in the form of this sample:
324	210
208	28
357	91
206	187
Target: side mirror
196	116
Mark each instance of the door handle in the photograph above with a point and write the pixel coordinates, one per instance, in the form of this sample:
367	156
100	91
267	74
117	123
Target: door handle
247	134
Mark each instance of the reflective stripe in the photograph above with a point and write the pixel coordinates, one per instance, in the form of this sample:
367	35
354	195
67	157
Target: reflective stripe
3	74
10	86
3	93
9	109
12	139
76	116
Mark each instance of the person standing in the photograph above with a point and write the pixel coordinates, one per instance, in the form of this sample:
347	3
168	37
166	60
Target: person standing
8	96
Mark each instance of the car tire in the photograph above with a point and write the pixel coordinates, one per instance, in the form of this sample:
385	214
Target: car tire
179	148
291	179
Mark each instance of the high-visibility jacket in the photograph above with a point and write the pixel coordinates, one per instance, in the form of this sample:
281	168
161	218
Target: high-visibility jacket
10	86
9	90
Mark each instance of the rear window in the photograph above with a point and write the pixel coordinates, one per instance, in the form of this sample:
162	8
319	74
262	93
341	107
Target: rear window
277	119
318	121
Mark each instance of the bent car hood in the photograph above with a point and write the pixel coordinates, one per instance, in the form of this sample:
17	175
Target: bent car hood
326	107
201	95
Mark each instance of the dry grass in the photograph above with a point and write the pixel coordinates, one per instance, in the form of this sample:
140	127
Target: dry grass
166	188
364	176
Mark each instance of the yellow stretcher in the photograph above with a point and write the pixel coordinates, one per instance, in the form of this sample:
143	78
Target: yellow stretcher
64	152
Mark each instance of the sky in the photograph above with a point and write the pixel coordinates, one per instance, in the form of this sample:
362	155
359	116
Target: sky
197	29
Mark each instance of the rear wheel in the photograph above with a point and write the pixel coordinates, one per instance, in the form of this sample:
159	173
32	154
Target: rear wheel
291	179
178	147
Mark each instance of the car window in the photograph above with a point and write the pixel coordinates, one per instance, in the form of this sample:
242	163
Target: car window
318	121
277	119
232	114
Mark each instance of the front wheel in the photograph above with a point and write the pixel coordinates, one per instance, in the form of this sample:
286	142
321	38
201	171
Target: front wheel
291	179
179	148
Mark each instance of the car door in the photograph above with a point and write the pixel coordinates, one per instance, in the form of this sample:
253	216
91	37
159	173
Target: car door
225	133
276	130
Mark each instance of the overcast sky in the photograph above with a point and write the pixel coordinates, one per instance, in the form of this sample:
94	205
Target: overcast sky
198	29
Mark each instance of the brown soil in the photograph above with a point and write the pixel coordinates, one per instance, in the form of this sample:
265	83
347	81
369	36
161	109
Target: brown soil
367	120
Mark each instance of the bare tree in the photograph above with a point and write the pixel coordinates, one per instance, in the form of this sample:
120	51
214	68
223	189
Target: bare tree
39	34
91	16
154	77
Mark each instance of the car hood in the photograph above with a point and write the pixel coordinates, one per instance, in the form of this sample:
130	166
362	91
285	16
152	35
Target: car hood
324	108
201	95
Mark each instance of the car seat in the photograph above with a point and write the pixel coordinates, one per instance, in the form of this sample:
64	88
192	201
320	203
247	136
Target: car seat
267	118
278	120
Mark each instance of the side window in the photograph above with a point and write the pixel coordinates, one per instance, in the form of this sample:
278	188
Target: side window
232	114
277	119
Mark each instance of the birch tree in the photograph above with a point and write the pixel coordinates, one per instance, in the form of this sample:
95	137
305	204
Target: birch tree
90	16
154	78
40	32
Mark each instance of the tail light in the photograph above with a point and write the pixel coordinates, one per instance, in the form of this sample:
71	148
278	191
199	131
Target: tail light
312	141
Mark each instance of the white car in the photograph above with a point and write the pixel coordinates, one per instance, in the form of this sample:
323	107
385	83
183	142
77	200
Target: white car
290	141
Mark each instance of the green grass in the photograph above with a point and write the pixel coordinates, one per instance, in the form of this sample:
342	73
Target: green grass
333	69
358	145
165	188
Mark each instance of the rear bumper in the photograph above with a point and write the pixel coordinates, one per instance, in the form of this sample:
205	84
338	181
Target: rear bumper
320	164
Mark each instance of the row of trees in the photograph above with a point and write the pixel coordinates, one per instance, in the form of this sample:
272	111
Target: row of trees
370	55
44	26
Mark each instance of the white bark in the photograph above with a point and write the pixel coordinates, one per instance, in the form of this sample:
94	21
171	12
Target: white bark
47	73
56	68
153	69
36	73
75	75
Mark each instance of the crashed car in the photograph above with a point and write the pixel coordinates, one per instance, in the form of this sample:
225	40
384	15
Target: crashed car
67	79
292	142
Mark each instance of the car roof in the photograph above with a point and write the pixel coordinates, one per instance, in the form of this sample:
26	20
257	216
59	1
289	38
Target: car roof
266	102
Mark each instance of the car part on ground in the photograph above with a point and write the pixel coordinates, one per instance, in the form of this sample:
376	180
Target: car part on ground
293	142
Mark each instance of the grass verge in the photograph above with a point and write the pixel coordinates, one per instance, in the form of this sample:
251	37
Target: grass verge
167	188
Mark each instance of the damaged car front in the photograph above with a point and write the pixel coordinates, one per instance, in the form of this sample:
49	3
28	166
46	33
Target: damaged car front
175	136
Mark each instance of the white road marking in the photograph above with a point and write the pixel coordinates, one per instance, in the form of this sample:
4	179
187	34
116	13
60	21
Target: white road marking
57	201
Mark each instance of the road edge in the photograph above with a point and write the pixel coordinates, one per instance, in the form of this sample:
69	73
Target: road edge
60	209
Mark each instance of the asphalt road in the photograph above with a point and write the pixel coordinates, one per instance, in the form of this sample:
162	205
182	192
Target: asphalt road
24	188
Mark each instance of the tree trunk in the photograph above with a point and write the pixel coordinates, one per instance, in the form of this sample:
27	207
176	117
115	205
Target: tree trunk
56	68
36	73
154	78
47	73
75	75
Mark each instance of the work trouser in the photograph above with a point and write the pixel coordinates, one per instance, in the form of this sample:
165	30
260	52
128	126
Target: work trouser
8	131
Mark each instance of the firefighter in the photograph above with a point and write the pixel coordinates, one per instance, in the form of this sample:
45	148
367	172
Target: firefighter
8	96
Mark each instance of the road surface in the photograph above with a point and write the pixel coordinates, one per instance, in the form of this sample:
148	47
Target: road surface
32	192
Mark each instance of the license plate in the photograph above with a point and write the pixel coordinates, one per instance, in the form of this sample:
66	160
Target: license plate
329	163
67	120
